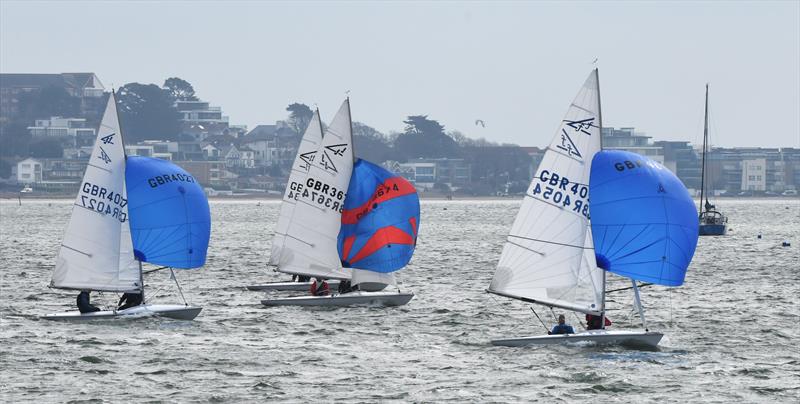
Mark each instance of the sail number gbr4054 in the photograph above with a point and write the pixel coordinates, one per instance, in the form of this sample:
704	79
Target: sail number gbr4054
318	193
101	200
558	190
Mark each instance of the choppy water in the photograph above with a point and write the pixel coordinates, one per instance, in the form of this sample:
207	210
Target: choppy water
731	331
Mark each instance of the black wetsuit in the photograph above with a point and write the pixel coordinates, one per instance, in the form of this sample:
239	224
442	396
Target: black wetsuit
346	287
83	303
129	300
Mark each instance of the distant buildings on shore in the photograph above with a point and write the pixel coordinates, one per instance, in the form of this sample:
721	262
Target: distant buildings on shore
229	158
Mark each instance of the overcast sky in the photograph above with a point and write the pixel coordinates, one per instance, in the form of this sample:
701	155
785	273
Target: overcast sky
514	65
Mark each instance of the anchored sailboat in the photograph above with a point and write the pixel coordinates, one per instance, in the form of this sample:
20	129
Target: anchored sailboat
553	251
306	154
310	245
130	210
712	221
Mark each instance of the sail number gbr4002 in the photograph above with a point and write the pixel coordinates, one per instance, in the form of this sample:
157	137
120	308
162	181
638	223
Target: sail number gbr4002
101	200
558	190
318	193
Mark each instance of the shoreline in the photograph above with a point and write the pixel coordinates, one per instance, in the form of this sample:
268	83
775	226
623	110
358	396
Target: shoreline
43	197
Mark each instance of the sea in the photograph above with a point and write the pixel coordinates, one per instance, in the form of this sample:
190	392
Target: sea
731	331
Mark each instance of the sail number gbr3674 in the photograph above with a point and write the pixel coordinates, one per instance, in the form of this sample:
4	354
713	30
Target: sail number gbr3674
104	201
318	193
558	190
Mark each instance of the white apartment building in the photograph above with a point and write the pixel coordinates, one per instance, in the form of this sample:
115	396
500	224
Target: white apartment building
29	171
754	175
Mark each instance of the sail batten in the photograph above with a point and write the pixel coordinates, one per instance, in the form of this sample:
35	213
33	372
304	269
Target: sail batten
545	259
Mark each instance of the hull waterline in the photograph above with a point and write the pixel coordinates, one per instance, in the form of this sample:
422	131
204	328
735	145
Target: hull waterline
290	286
644	339
387	299
174	311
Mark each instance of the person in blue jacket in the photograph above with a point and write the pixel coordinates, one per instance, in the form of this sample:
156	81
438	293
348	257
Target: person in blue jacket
562	327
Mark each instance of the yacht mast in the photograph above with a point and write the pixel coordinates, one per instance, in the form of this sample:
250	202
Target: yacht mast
703	169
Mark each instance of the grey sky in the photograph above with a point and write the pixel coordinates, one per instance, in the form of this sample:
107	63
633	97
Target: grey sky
515	65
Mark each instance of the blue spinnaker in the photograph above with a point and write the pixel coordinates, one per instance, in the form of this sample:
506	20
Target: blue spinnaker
644	223
169	217
380	220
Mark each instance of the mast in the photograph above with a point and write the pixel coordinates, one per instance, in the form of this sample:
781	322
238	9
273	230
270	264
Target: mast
600	124
353	137
124	166
703	167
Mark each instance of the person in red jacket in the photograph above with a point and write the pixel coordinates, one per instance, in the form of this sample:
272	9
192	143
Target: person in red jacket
320	288
593	322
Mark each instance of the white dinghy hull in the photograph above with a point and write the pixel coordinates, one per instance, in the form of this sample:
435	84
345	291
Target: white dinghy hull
600	337
175	311
348	299
290	286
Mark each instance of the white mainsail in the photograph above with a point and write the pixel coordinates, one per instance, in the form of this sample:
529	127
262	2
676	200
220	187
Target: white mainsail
302	162
548	257
310	245
97	252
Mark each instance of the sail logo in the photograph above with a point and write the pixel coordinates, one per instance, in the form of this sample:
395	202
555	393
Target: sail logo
327	161
108	139
581	125
307	159
568	145
104	156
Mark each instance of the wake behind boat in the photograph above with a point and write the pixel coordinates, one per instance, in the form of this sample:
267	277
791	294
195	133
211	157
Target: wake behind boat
130	211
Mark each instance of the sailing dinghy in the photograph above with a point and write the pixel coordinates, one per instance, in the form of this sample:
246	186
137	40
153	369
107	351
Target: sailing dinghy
311	245
130	211
555	256
306	153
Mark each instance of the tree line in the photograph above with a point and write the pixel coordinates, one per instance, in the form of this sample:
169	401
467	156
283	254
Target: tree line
148	112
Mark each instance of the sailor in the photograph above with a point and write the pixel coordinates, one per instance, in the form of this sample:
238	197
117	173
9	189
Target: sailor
320	288
345	286
83	303
562	327
129	300
593	322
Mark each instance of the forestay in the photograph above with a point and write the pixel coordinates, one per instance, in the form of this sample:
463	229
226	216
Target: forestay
310	244
96	252
170	221
302	162
548	256
644	221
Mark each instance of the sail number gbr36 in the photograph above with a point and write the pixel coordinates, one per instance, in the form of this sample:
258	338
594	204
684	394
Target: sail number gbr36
318	193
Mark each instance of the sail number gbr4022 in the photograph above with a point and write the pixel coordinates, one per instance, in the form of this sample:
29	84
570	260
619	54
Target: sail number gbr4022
318	193
558	190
